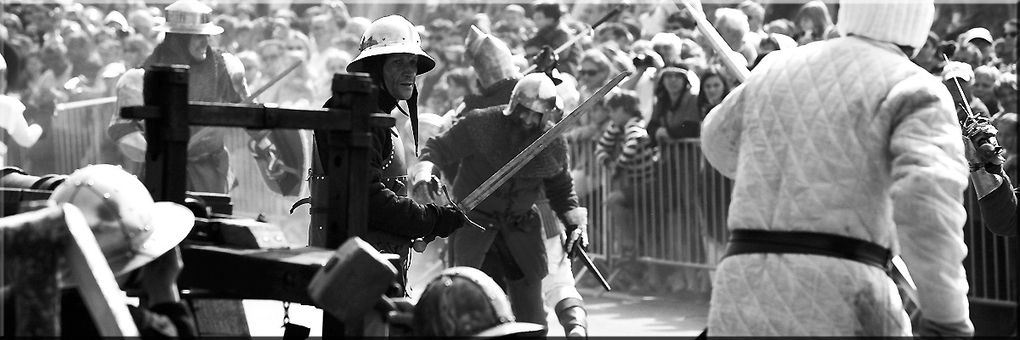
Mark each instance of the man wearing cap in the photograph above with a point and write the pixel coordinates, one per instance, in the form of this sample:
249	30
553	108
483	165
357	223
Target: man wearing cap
981	38
511	248
391	54
844	153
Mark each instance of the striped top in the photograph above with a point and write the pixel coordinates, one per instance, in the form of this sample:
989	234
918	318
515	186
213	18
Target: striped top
627	149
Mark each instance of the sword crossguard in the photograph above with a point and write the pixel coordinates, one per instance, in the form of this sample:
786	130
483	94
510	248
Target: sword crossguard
461	210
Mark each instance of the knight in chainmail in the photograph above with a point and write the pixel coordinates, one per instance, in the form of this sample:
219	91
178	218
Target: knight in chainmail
213	77
511	249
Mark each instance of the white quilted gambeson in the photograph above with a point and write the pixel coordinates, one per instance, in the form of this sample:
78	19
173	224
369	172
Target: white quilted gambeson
845	137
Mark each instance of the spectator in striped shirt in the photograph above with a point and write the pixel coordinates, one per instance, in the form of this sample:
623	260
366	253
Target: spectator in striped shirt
626	152
624	146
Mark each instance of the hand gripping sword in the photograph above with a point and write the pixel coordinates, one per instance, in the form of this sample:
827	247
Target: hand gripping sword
515	164
579	35
503	174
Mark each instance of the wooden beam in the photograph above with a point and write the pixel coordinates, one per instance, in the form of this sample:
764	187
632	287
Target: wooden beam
96	283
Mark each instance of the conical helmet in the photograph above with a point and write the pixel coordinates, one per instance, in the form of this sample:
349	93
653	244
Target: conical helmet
391	35
537	92
490	57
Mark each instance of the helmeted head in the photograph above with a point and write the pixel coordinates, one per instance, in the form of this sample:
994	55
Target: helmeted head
391	53
901	22
390	35
189	17
535	92
188	26
533	100
490	57
130	228
463	301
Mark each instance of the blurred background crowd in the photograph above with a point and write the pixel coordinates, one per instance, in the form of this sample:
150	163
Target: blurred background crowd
66	52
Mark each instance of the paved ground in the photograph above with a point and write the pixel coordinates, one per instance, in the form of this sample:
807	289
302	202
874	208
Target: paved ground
610	314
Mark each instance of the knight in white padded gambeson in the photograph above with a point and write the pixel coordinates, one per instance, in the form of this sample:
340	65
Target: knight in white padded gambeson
844	153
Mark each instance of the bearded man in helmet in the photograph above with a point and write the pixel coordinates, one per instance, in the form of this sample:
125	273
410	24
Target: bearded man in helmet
497	76
212	77
813	230
511	248
391	54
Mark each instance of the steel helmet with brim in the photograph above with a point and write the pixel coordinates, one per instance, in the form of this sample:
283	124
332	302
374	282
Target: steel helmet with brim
189	17
464	301
130	228
390	35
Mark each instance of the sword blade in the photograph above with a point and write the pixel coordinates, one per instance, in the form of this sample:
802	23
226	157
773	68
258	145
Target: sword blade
272	82
714	39
503	174
580	35
591	266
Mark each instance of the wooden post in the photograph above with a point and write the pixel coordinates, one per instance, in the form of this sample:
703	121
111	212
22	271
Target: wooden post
166	87
340	200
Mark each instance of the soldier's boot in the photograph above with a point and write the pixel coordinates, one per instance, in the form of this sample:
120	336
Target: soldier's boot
573	317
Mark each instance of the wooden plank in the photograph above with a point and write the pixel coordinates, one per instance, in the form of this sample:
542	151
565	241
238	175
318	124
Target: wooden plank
96	283
275	274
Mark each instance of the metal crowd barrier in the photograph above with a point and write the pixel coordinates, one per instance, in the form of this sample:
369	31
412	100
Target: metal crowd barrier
679	215
679	219
79	138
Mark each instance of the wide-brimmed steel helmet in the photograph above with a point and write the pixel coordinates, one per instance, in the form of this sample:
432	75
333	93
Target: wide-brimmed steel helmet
189	17
490	57
129	226
391	35
463	301
536	92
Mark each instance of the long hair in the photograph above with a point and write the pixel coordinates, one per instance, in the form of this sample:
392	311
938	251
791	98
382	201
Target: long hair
663	102
818	14
703	105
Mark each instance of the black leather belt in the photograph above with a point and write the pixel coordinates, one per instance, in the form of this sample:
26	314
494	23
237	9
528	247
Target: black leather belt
743	241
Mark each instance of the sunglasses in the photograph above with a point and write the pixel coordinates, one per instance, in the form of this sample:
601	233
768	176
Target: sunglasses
589	72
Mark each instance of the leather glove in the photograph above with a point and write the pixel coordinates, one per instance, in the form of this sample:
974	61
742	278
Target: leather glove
980	150
450	219
265	149
577	230
962	329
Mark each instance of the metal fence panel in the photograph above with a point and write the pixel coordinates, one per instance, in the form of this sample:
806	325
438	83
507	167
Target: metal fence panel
677	218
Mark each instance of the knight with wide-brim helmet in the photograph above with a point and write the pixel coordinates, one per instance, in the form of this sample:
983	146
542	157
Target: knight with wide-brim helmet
387	36
189	17
392	56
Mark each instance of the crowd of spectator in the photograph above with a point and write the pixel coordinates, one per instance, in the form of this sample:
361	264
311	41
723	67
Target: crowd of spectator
69	51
